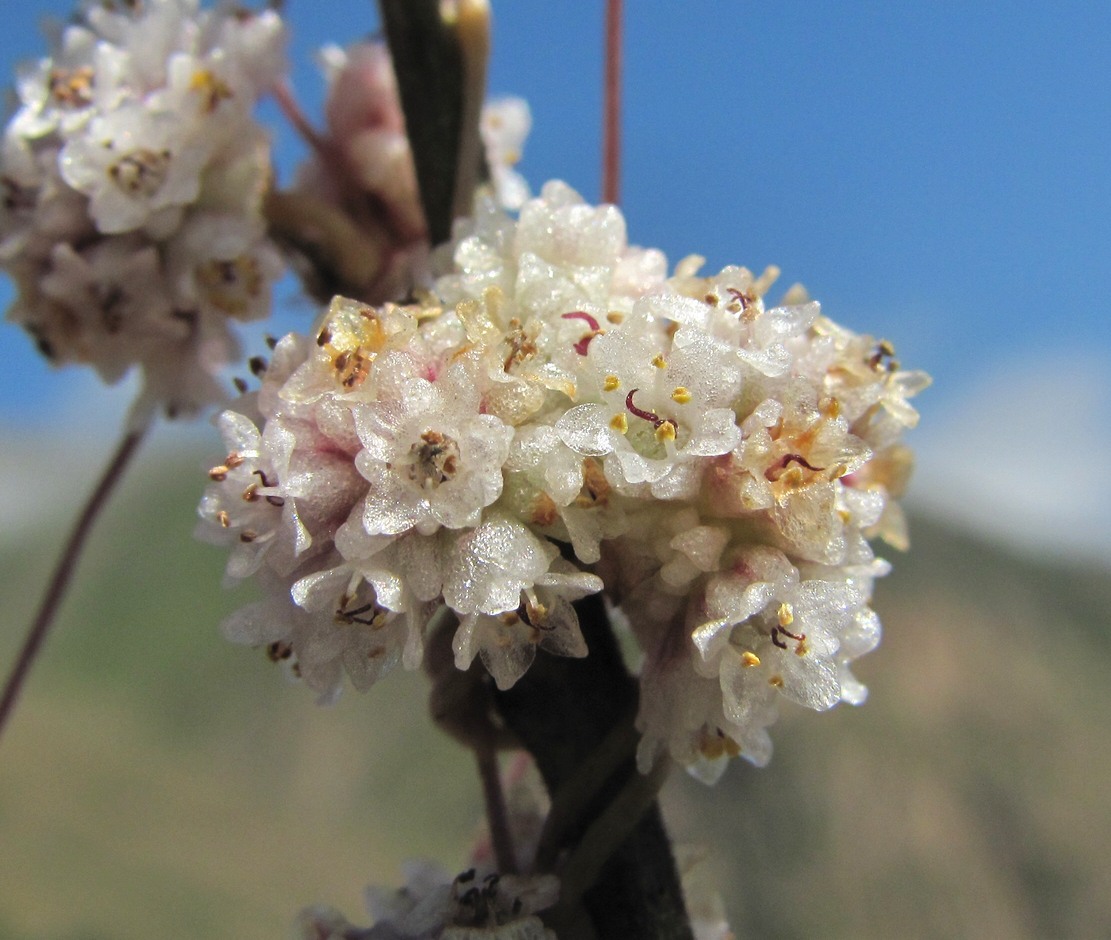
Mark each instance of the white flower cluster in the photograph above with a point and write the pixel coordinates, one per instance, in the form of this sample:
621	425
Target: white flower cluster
132	176
432	906
558	417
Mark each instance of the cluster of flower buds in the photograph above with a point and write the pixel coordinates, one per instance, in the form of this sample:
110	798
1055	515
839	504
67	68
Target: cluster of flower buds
132	176
557	417
362	167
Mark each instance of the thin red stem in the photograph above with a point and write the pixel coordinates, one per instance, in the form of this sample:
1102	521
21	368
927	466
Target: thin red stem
497	816
283	95
63	572
611	127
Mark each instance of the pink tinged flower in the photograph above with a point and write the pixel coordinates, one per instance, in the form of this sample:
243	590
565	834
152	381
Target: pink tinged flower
507	642
245	506
352	626
665	404
538	451
221	266
504	125
138	169
490	566
107	306
775	633
474	906
57	94
252	40
681	713
431	458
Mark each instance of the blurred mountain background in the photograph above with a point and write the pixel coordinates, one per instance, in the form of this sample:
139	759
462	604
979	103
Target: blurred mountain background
160	782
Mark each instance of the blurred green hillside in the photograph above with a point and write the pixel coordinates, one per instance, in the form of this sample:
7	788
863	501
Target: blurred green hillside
160	782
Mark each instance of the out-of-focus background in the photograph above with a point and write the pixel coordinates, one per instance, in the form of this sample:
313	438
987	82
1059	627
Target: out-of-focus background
936	174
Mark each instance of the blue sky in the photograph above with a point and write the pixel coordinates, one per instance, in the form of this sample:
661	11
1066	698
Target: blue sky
936	173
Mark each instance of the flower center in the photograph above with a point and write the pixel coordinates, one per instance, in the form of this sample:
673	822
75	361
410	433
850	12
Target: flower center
435	460
232	285
72	88
141	172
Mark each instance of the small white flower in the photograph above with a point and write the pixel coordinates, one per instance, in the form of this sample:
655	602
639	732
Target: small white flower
507	642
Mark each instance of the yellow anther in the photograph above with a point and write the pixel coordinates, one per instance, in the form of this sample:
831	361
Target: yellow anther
211	87
619	423
615	317
659	361
610	383
776	682
802	648
749	659
786	615
681	395
665	432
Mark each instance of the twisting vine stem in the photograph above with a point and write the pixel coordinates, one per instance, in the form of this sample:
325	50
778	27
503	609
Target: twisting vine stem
63	571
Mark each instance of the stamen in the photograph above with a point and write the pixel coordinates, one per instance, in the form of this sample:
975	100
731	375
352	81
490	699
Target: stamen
583	344
884	350
801	646
776	470
656	420
352	616
278	651
611	383
739	296
681	395
749	659
581	315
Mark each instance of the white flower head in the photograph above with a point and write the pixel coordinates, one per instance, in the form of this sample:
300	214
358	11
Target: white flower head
135	136
555	418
